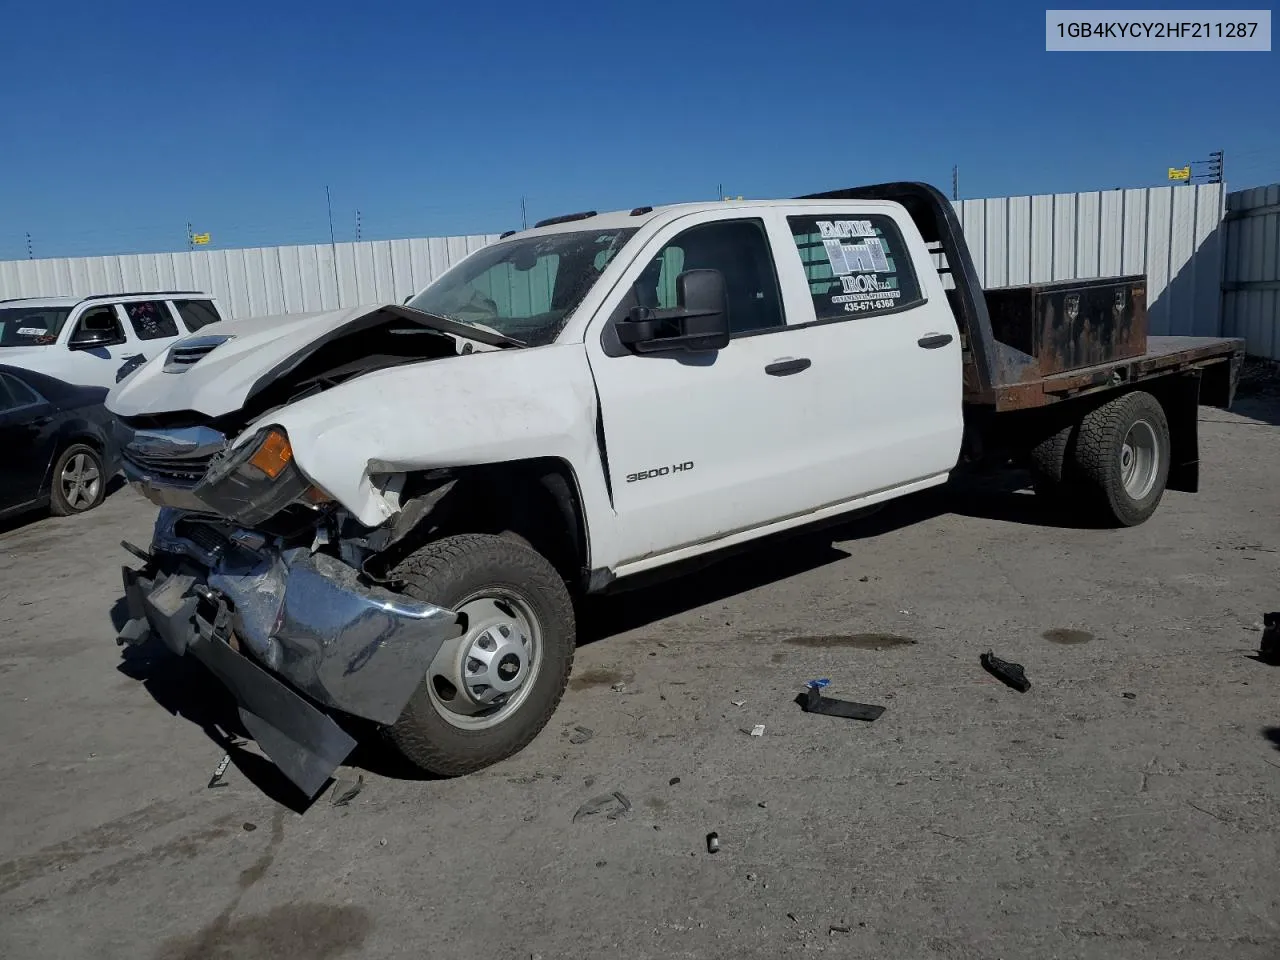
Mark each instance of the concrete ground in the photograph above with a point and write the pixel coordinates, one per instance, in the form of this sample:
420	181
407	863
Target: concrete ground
1126	806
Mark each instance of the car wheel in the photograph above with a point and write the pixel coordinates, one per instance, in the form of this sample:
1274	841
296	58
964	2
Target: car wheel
489	692
79	481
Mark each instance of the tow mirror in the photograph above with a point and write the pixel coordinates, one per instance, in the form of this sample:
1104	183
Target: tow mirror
699	321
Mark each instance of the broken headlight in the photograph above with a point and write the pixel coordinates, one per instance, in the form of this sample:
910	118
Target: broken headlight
257	479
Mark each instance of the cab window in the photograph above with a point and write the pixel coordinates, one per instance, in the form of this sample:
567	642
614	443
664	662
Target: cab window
739	249
99	318
151	319
857	264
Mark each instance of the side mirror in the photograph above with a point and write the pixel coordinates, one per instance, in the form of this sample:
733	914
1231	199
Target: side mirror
92	339
700	321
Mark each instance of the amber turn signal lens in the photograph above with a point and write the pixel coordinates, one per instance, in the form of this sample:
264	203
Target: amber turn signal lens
317	496
273	454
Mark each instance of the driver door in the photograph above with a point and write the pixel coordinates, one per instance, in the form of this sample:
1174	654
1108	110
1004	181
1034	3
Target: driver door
97	366
703	445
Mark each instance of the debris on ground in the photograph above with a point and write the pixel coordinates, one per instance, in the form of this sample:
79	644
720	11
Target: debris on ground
763	804
581	735
713	842
757	730
382	842
1009	673
612	805
836	928
1269	647
619	686
216	780
812	701
1129	696
738	703
793	918
248	827
673	781
344	791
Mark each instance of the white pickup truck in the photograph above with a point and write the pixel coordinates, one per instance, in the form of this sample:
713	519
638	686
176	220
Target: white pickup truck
388	512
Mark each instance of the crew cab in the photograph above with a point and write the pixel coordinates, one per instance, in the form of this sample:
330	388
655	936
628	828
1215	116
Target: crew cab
99	340
389	512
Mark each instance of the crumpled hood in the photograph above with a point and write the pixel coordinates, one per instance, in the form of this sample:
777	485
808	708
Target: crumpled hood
220	381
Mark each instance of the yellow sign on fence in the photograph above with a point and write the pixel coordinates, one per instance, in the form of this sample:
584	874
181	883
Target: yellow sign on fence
1180	173
199	239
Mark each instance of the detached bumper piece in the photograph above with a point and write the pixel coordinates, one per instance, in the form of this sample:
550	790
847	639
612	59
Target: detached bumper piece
293	637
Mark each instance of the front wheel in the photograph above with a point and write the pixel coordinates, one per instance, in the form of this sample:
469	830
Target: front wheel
489	692
1121	459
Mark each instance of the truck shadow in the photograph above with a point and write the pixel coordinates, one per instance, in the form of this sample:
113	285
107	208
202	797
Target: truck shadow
184	688
1002	498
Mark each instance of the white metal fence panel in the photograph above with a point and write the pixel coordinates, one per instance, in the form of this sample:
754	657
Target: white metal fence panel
259	281
1251	281
1171	234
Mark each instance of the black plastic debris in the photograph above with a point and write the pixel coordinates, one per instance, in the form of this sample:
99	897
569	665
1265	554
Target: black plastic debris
673	781
344	791
581	735
1009	673
713	842
812	701
612	805
248	827
216	780
1129	696
1269	647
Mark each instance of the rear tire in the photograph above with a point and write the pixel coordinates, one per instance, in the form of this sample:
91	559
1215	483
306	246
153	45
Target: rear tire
1049	465
442	730
1120	460
79	481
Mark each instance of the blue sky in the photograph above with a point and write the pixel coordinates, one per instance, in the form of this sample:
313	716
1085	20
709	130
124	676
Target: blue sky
124	121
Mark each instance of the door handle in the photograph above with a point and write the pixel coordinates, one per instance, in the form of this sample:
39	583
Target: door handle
784	368
933	341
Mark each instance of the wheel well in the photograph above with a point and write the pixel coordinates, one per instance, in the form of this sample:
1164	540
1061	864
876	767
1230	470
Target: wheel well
1015	434
537	501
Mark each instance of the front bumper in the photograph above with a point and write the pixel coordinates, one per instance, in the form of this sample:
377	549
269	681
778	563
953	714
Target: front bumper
293	635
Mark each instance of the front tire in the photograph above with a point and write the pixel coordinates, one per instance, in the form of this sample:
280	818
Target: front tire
79	481
490	692
1121	459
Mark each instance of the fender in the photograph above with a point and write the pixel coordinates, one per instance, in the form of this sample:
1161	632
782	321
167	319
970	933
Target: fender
487	408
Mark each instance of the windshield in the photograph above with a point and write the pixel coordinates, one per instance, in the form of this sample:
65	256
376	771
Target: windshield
31	326
524	289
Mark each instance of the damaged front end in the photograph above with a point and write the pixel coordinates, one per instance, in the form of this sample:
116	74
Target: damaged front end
246	574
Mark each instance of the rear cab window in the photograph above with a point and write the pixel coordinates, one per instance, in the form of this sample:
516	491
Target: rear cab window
196	313
857	264
151	319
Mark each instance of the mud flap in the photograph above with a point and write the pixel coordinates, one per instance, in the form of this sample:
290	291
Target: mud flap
306	744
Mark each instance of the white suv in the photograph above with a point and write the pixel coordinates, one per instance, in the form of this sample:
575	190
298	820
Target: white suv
98	341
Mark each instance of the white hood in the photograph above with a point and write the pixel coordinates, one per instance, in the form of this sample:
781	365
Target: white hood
219	382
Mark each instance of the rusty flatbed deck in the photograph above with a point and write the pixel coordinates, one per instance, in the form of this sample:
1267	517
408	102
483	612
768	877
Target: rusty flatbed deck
1163	355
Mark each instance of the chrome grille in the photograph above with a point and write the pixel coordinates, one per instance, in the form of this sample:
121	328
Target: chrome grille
184	470
180	457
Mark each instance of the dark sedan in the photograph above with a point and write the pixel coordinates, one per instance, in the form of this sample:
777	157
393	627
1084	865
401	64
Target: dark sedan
56	445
